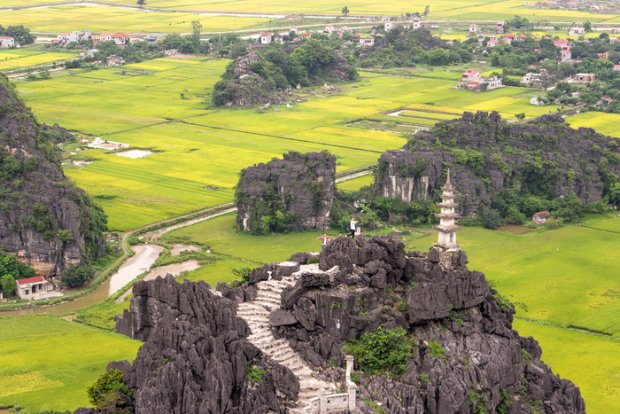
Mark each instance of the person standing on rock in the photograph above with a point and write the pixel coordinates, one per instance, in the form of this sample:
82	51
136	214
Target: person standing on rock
324	239
352	228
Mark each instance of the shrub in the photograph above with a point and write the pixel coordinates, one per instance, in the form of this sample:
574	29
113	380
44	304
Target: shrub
491	218
255	375
384	351
77	276
436	350
108	388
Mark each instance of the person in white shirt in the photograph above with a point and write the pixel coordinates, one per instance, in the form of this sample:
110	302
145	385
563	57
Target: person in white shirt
352	228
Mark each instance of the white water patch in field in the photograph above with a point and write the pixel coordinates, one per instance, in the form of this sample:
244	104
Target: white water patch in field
144	257
134	153
397	113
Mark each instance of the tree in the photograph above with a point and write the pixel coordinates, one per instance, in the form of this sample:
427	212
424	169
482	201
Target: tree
196	27
491	219
141	2
7	285
427	10
108	390
520	116
587	26
345	11
77	276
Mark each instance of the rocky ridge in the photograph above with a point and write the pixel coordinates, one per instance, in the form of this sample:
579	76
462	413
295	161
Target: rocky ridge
45	220
486	155
289	194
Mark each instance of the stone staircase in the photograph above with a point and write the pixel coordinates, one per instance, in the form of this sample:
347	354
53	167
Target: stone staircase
256	314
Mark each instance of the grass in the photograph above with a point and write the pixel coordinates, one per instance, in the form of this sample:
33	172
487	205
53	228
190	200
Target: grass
46	362
11	59
356	183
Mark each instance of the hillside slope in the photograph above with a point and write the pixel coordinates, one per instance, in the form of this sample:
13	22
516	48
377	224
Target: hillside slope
44	219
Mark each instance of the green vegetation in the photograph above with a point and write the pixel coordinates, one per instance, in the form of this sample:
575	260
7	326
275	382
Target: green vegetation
437	351
384	351
11	270
46	362
77	276
21	34
255	375
108	389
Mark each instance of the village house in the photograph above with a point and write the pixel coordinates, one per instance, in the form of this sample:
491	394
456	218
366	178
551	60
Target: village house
120	38
532	79
473	30
115	60
565	54
171	52
537	101
603	55
560	43
6	42
576	31
33	288
388	26
585	78
265	38
493	41
366	41
90	53
416	24
329	29
293	30
473	81
617	68
541	217
508	38
499	27
481	40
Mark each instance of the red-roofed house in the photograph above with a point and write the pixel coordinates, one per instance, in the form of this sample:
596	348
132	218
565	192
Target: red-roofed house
541	217
265	38
560	43
6	42
33	287
471	76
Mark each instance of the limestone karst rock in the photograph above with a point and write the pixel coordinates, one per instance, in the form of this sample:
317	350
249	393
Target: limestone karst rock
197	352
45	220
486	154
293	193
196	357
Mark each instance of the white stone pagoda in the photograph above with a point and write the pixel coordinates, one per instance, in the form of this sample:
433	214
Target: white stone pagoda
447	217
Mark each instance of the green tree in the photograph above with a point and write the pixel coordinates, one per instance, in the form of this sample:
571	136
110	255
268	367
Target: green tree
141	2
7	285
108	388
77	276
345	11
587	26
196	28
491	219
520	116
427	10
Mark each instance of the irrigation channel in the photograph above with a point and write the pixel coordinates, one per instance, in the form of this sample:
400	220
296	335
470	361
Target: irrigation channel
144	256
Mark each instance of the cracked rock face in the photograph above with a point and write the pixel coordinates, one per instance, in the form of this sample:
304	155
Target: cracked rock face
439	301
196	357
486	155
294	193
45	220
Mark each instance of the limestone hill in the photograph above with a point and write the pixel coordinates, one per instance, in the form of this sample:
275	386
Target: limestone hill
293	320
44	219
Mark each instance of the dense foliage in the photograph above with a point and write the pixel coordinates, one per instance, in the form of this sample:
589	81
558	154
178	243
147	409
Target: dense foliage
257	75
77	276
106	392
10	270
402	47
21	34
385	351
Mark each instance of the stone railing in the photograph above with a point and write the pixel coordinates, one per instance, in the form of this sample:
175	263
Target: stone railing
335	403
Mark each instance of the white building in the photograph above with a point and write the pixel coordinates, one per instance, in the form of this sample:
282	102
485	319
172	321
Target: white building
6	42
388	26
447	217
416	24
265	38
32	288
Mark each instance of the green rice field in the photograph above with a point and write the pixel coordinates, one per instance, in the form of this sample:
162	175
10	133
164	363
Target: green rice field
11	59
163	105
46	363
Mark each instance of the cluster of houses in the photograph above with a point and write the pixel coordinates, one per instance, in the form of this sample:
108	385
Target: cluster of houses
85	35
472	80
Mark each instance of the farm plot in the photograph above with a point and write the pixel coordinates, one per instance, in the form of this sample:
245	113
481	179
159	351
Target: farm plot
24	58
101	18
46	363
162	106
602	122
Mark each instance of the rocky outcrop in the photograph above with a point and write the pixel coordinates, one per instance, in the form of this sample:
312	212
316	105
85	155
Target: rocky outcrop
466	357
45	220
293	193
196	357
545	158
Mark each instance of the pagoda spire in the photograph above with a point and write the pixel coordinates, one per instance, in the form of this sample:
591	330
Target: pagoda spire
447	217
